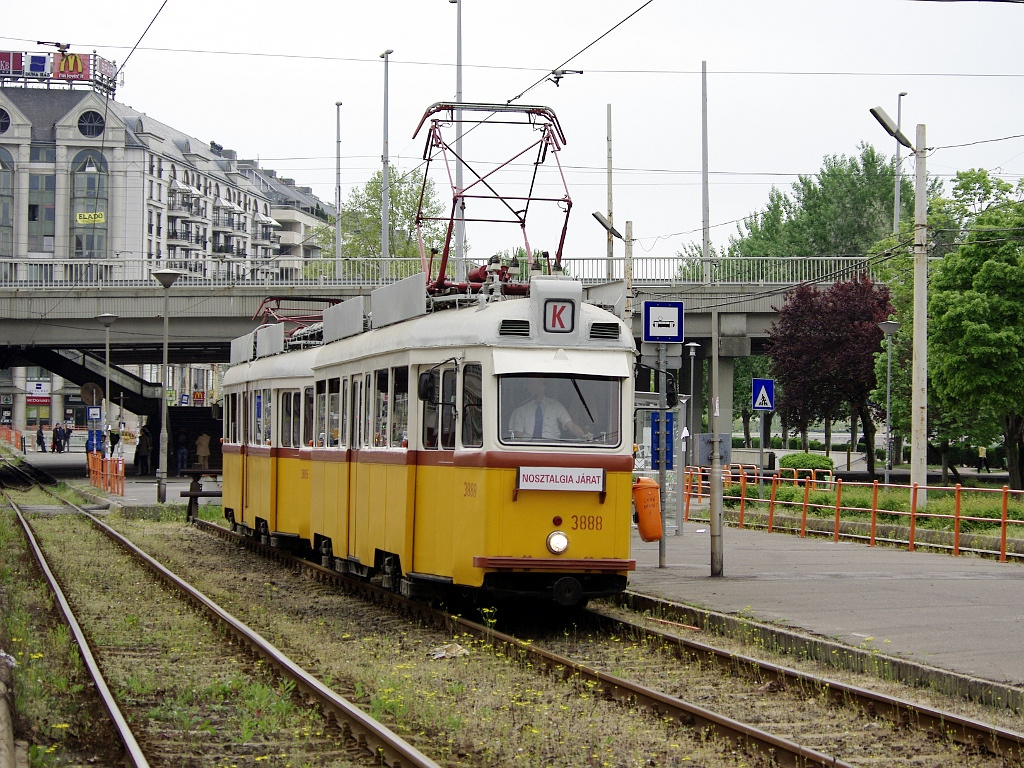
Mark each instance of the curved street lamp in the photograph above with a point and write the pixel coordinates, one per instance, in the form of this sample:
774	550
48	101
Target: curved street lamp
919	363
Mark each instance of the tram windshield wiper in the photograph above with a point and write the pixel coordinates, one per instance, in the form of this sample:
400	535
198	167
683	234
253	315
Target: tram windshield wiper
583	400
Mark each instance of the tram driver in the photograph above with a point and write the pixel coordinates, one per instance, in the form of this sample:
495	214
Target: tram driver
542	417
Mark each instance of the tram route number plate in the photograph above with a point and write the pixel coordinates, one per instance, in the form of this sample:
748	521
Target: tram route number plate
561	479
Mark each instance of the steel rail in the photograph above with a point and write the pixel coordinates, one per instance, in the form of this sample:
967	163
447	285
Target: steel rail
377	738
780	751
133	752
373	736
1007	744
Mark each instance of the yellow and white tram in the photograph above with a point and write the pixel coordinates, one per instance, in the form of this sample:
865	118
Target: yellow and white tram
420	451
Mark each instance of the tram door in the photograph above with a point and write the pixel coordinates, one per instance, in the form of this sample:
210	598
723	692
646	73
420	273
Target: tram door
435	476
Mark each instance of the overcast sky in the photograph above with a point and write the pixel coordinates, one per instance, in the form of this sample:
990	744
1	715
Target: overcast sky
789	82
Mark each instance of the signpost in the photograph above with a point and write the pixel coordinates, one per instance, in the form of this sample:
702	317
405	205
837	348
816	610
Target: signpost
663	325
762	397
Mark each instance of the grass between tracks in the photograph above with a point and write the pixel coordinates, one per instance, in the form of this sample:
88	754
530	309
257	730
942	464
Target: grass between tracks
50	681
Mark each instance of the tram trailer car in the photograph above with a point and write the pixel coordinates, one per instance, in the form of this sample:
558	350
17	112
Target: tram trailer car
266	448
395	451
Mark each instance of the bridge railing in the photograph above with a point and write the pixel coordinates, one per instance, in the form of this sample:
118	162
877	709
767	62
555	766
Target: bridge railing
220	271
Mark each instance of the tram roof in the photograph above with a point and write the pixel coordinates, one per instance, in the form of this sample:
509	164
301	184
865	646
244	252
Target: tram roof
274	368
499	324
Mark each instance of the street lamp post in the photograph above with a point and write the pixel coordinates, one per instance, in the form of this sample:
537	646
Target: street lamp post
919	364
107	319
460	215
337	196
896	207
385	193
694	346
889	327
166	278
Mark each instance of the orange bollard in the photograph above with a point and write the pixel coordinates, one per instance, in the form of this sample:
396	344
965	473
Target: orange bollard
647	500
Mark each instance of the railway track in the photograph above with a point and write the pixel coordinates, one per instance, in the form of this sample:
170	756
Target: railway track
874	730
180	686
781	716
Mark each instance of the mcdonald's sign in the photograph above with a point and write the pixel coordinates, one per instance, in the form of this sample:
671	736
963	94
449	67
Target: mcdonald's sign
70	66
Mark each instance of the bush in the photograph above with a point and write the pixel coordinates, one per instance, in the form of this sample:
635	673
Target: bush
806	462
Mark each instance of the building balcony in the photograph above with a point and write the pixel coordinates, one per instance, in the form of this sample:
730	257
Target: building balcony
179	209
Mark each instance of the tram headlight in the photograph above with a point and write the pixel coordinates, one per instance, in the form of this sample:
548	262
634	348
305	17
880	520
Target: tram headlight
558	542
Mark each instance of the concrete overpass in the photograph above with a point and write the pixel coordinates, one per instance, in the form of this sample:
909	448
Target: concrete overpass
48	308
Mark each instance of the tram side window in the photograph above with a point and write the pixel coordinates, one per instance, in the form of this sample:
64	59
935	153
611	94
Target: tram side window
472	407
343	431
256	428
296	429
380	407
400	407
307	416
334	413
357	409
231	420
268	417
321	414
286	420
448	382
429	433
367	416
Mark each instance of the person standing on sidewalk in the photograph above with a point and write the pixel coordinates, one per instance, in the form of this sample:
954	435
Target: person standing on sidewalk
40	438
143	449
203	450
181	454
983	459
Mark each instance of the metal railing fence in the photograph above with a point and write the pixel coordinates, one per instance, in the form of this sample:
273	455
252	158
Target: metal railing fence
218	270
992	518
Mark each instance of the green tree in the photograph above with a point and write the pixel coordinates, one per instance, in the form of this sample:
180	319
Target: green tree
847	206
841	211
976	308
822	350
361	226
766	233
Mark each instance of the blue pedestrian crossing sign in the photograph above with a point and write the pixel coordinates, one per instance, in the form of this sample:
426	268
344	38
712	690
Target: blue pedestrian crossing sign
763	394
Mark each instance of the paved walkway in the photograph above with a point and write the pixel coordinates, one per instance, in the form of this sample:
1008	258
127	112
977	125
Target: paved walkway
963	614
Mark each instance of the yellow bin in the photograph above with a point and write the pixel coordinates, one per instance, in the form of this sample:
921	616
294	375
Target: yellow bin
647	501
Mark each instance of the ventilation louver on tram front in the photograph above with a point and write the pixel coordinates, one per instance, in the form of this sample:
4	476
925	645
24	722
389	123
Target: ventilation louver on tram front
604	331
514	328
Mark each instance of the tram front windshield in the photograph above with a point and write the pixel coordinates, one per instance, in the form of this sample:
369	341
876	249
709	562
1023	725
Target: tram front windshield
560	409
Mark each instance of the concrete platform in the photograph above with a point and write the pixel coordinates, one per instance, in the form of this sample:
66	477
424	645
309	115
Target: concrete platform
139	491
962	614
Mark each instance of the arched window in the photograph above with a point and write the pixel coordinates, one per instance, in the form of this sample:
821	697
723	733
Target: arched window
6	204
89	214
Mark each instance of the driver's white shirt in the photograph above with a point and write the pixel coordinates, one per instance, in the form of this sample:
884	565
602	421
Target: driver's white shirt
555	417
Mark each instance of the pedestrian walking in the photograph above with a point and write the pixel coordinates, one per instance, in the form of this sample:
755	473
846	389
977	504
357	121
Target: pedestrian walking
983	459
40	438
